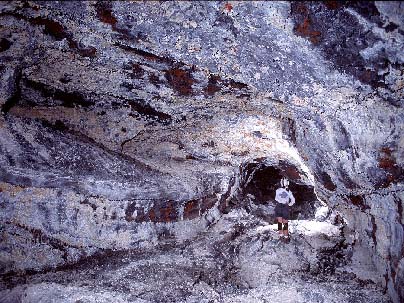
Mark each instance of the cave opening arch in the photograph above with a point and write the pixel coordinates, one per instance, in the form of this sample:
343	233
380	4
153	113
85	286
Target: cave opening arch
259	180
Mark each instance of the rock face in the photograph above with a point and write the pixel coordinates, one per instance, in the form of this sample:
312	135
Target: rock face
238	259
125	125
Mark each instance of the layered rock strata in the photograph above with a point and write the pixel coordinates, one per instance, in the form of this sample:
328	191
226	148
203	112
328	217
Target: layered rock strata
126	123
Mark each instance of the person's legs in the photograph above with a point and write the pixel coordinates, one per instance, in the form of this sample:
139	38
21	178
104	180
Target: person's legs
285	228
280	221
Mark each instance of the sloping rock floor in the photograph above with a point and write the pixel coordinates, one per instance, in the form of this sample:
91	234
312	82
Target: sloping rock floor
240	258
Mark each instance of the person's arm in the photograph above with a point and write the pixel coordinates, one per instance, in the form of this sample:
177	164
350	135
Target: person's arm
277	198
292	199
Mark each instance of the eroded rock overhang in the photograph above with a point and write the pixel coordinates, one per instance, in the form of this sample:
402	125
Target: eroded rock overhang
119	122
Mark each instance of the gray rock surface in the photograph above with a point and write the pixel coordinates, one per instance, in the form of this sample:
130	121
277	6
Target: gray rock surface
128	124
239	259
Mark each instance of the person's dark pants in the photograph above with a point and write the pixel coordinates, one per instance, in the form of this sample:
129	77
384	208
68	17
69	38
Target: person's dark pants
282	211
282	214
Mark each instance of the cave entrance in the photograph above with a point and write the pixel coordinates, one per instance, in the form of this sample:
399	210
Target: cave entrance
309	216
260	181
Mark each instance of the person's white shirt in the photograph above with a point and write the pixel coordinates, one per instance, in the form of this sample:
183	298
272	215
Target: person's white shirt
284	196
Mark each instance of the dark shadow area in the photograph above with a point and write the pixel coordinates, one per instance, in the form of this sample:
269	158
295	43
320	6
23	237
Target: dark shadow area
261	183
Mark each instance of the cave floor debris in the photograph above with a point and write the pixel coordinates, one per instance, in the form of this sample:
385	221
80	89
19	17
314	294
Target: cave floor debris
238	259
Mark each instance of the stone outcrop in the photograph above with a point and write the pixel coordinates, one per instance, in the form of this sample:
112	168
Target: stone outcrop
124	124
240	258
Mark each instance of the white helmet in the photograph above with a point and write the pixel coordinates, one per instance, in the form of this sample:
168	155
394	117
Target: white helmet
284	182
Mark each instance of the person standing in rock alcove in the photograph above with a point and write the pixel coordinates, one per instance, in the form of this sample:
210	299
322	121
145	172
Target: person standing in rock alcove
284	199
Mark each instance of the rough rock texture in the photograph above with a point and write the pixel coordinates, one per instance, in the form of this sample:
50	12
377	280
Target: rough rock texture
124	124
239	259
